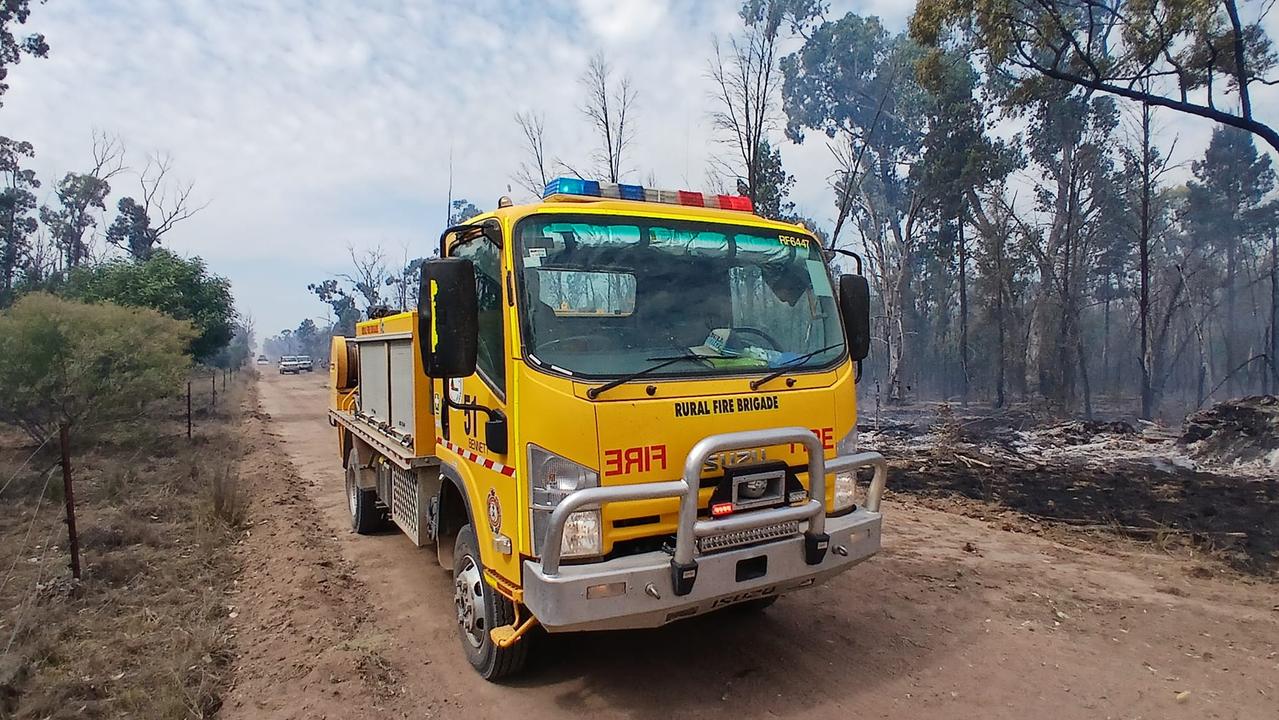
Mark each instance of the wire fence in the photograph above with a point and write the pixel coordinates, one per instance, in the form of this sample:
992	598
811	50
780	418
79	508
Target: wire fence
33	593
24	464
204	390
35	515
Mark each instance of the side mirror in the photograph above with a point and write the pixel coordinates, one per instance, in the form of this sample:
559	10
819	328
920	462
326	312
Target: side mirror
448	318
495	434
854	306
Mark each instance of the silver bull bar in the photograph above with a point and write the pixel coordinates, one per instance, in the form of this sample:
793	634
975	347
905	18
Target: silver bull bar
690	528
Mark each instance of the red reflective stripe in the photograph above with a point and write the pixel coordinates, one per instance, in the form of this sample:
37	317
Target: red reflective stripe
477	458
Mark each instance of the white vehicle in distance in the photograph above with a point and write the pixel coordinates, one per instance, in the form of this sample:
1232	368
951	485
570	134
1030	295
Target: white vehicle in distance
295	364
262	360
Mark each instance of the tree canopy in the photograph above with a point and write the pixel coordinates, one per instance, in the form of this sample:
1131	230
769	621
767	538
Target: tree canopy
179	287
17	207
1187	55
13	46
64	362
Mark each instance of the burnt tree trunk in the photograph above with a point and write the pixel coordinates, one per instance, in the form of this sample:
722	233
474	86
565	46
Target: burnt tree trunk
1274	312
1143	300
963	307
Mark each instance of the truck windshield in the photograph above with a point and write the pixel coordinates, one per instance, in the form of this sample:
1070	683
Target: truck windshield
603	296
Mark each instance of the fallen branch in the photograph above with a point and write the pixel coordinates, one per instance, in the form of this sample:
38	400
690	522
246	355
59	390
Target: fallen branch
971	461
1136	530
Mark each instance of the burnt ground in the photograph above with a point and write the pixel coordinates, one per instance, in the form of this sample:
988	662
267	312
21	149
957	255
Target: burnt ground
1147	482
1234	517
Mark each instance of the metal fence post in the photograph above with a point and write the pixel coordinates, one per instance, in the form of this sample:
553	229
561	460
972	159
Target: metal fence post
73	538
188	409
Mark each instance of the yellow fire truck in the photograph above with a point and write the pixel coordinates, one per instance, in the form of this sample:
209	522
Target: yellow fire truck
614	408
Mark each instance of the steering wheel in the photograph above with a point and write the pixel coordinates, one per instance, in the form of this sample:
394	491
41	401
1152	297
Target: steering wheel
551	343
745	329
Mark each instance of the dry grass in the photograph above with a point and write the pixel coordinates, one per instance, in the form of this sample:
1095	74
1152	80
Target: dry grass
144	634
225	498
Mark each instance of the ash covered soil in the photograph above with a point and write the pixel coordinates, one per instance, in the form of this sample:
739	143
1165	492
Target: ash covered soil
1211	485
975	608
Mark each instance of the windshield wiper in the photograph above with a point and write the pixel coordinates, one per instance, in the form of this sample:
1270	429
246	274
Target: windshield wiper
788	365
661	363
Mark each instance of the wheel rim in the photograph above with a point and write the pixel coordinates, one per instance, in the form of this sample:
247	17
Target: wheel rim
468	596
350	492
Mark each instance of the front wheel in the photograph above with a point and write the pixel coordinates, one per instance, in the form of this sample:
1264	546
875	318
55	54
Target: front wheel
479	610
758	605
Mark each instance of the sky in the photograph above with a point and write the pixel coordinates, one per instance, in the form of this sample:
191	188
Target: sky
312	126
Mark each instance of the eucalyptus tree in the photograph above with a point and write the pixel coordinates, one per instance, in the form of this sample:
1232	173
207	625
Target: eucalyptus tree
746	76
17	211
161	204
79	195
1069	143
960	159
13	46
912	150
854	82
1228	212
609	106
1187	55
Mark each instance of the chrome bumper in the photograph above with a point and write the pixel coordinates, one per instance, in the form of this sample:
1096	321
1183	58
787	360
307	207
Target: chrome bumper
655	588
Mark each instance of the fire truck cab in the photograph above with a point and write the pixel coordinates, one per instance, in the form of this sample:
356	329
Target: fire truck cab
615	408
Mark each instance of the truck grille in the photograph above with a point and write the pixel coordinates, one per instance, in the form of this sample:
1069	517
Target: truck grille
737	538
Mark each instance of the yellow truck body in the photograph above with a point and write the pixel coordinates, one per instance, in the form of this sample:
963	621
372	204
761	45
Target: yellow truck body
672	493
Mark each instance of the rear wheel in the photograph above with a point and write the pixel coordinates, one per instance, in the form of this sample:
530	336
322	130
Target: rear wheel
479	610
366	516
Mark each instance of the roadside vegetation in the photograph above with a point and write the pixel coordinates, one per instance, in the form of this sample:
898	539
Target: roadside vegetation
118	477
144	632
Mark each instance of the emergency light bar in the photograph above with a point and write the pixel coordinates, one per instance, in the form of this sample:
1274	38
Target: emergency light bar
614	191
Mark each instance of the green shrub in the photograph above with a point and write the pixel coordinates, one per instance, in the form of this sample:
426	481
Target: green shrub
64	362
178	287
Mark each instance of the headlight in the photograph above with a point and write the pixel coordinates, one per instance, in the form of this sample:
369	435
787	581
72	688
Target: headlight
845	491
551	479
845	494
581	534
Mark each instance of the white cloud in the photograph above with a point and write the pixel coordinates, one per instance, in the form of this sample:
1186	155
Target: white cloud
626	21
309	125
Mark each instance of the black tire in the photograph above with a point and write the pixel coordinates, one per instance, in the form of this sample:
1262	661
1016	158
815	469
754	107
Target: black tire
490	661
758	605
366	517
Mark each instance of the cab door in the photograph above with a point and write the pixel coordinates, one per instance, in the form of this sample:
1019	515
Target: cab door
493	496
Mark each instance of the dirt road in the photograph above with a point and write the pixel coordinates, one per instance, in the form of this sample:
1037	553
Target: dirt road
957	618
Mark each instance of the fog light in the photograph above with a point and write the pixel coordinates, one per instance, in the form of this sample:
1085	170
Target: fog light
581	534
845	491
605	591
